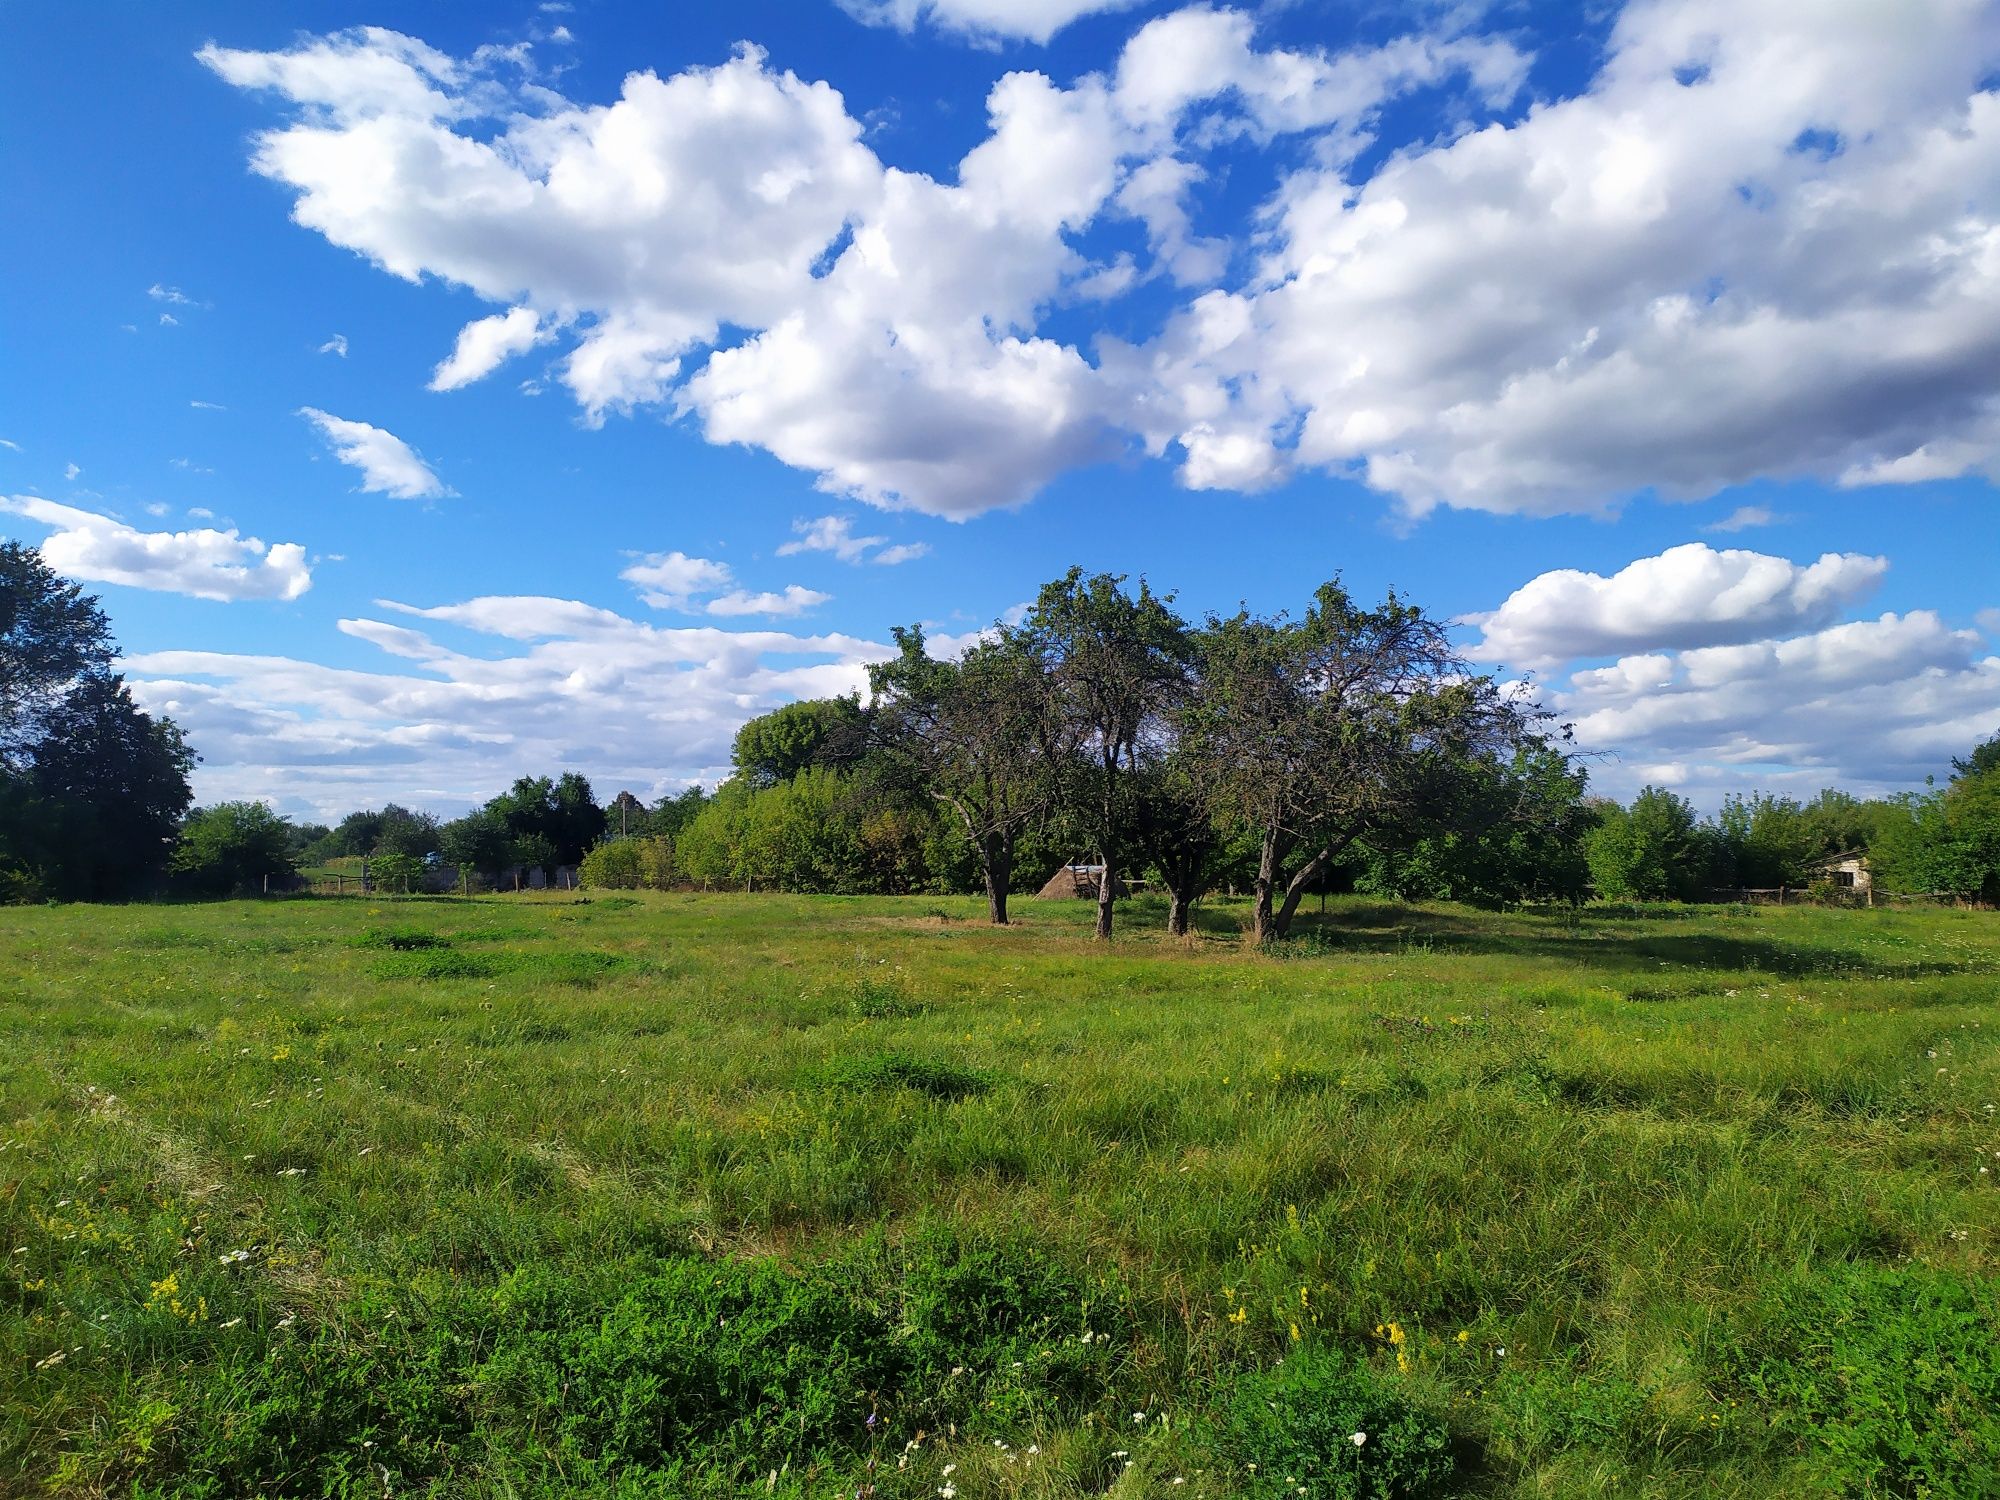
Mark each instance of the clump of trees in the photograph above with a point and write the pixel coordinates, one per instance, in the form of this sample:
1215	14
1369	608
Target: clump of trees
1348	748
92	789
1946	841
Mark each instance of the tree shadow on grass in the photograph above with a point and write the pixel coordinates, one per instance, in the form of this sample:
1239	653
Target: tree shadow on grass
1605	943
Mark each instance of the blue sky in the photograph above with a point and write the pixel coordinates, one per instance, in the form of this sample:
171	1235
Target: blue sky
1661	339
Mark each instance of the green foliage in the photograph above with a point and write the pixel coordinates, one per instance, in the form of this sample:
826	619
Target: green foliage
233	846
1768	841
1650	851
553	822
1890	1375
813	733
480	842
1326	1427
629	864
398	874
1945	842
91	789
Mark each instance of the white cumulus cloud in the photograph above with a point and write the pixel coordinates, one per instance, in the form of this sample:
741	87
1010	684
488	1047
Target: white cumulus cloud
1691	595
388	465
206	563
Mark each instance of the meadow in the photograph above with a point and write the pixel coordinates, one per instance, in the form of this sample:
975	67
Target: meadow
815	1196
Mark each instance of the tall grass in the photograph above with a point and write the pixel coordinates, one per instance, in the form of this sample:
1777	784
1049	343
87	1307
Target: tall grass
341	1196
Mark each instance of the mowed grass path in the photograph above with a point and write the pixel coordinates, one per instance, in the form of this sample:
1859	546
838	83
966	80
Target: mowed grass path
1609	1177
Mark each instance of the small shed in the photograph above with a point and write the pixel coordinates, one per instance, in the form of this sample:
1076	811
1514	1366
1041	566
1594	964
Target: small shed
1078	883
1847	872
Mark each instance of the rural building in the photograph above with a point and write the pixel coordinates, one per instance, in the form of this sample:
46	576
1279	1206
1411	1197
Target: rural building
1849	872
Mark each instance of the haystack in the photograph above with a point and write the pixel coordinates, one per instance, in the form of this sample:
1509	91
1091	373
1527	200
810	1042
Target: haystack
1078	883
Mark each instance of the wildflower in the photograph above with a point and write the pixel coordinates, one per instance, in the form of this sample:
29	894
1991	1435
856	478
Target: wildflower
293	1172
51	1361
1464	1335
233	1323
1295	1333
1358	1438
1138	1416
1242	1314
947	1490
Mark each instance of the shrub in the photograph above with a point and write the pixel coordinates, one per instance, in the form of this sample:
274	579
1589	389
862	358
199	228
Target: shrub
1889	1375
232	846
634	864
1299	1422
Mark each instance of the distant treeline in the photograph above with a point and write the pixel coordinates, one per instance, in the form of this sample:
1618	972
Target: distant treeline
1347	748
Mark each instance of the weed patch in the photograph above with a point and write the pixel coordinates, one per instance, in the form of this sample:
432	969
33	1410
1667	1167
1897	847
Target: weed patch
1326	1427
1889	1376
902	1070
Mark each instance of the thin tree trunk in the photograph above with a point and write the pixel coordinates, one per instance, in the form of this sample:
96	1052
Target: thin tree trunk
1106	894
1295	892
1177	912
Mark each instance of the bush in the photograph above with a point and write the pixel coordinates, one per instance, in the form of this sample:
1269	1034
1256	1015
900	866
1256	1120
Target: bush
232	846
401	873
1889	1375
1298	1423
634	864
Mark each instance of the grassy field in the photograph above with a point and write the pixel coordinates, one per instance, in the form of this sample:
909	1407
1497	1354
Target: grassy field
798	1196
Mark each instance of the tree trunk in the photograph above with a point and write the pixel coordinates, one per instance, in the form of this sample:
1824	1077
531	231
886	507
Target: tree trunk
996	863
1106	894
1177	912
1261	928
1295	891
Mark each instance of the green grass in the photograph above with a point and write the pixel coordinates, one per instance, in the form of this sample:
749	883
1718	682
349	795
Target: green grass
664	1196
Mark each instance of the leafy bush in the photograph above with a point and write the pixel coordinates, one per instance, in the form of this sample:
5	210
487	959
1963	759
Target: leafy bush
1326	1427
230	847
629	864
1890	1375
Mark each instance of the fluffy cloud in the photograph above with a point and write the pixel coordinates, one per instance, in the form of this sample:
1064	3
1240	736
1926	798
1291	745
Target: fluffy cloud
891	338
1031	20
695	585
207	564
629	704
335	345
835	534
484	345
388	465
1760	241
1690	595
1871	705
1763	241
